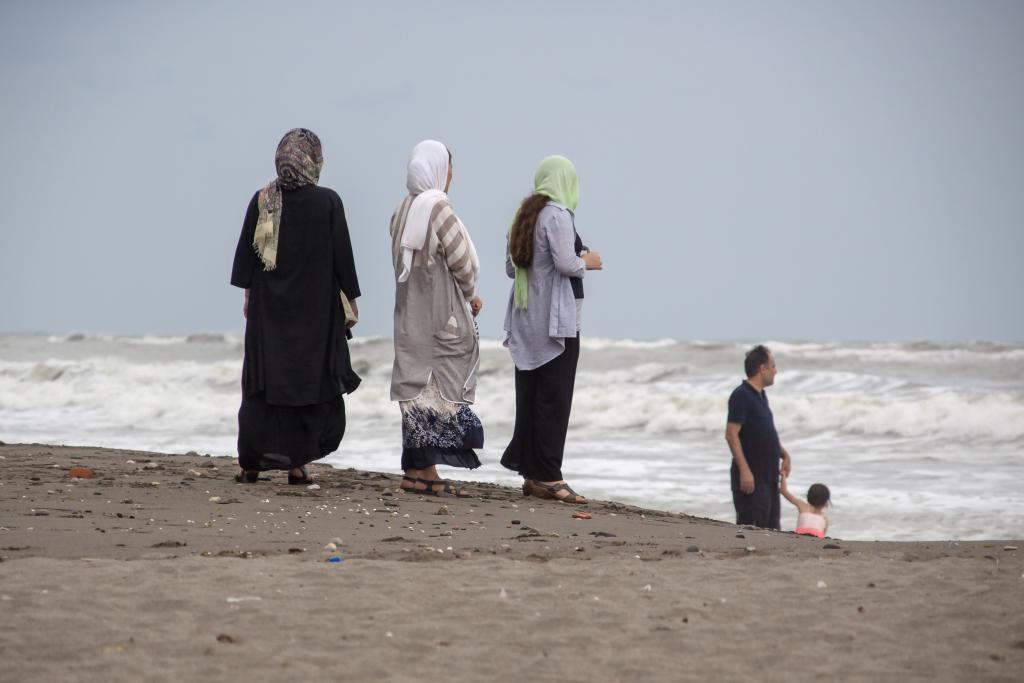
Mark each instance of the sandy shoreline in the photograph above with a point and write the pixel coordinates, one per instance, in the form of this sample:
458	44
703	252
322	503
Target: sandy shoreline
136	574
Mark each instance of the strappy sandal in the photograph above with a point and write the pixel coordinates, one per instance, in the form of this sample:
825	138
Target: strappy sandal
305	479
410	489
247	477
448	491
550	491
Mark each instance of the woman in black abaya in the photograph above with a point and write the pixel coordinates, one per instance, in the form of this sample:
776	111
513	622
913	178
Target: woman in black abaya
294	261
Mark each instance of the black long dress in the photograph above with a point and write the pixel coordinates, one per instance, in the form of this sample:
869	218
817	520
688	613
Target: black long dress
297	364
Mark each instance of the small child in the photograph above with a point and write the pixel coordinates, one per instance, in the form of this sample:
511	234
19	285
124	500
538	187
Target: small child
812	520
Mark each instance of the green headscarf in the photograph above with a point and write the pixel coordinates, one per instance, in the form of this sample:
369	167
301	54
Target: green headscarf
556	179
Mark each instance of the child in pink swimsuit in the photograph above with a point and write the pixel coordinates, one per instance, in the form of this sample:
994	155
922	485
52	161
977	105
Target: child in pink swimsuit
812	520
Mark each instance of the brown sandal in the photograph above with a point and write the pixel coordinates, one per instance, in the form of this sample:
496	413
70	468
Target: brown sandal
448	491
550	491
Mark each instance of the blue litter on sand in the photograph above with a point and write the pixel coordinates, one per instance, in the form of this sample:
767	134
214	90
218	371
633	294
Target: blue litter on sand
334	558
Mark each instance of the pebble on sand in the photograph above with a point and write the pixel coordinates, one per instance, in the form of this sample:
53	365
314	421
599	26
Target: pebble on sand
692	548
80	473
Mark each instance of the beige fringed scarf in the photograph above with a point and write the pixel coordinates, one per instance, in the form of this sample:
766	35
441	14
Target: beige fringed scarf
299	160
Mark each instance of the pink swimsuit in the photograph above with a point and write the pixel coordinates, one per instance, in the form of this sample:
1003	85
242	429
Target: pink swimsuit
811	524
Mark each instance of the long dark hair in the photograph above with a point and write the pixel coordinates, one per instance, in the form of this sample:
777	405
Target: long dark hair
520	241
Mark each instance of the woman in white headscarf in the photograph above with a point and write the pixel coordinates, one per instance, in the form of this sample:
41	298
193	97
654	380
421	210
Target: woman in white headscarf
437	348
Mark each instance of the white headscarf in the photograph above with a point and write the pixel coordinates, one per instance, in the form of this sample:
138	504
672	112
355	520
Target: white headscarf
426	177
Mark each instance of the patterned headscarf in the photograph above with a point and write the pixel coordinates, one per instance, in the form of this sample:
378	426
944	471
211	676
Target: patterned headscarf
299	160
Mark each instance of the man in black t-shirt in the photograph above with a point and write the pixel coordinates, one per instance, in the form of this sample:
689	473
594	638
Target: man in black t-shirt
756	449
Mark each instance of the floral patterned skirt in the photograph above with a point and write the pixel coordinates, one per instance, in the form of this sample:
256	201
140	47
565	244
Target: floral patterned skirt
439	432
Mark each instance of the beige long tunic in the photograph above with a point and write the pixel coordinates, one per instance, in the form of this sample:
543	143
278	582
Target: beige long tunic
435	337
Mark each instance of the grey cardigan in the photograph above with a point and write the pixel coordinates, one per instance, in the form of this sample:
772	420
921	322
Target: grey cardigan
536	335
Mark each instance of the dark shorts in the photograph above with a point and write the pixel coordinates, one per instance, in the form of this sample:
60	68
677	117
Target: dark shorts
761	508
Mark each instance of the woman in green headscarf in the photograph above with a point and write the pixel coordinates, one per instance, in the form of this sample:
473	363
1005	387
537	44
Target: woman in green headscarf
547	260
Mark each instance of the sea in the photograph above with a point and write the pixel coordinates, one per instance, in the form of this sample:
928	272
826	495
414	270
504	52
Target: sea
917	441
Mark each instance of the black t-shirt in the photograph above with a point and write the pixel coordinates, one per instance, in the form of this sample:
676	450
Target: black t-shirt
760	441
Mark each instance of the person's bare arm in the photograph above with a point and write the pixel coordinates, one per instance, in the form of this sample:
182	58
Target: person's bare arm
800	505
787	463
355	311
732	437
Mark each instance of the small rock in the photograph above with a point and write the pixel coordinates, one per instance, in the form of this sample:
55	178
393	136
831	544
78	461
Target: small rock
860	609
169	544
503	594
831	546
151	466
192	454
602	534
581	515
692	548
750	548
129	462
313	487
80	473
225	638
1009	547
822	584
871	585
41	513
195	473
516	521
647	588
331	546
385	492
740	536
443	510
294	551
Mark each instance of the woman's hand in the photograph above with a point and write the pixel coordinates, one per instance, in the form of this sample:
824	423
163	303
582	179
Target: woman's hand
475	304
355	311
746	480
592	259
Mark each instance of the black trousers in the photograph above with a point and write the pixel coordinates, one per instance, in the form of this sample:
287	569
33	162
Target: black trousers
543	403
762	508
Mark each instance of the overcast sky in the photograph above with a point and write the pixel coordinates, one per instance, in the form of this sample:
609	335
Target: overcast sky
754	170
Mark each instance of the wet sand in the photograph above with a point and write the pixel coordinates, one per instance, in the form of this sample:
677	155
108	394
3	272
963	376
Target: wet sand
161	567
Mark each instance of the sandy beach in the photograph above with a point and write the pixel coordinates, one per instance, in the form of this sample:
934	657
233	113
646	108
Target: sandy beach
161	567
